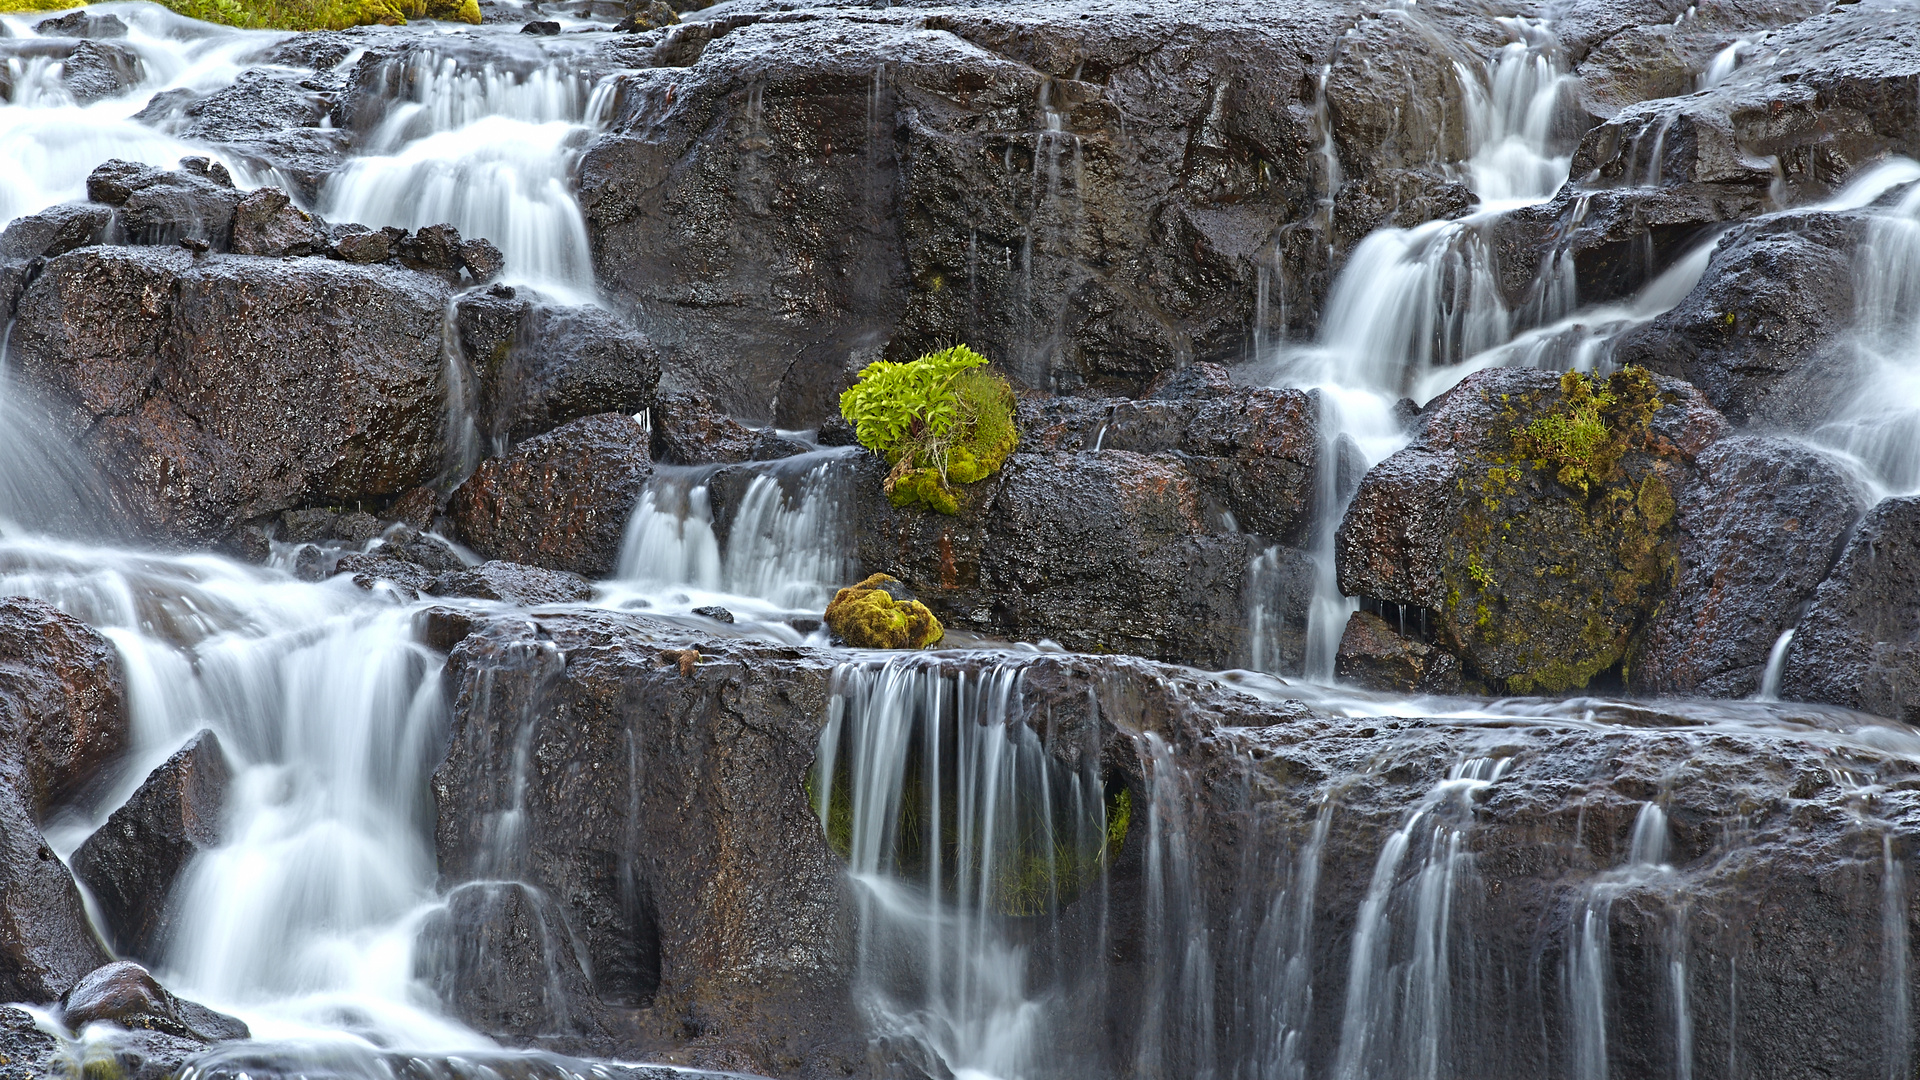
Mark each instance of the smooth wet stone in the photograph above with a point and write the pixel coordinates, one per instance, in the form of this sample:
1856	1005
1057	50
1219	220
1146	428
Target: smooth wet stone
127	995
1859	644
500	956
1375	655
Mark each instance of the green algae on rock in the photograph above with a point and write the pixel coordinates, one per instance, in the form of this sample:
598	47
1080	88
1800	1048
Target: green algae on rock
1535	520
869	616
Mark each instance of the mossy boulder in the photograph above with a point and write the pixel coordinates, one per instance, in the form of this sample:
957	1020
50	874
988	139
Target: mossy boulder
878	614
1534	519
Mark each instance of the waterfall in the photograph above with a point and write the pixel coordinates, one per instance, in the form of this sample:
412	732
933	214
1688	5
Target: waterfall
490	150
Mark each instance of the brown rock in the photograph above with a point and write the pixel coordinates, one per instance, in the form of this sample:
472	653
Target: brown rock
559	501
1375	655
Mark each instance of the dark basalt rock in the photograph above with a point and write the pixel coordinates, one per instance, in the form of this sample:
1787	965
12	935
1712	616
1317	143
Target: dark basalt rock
26	1051
1540	570
482	260
385	572
1859	644
94	70
561	364
1376	655
502	959
131	863
162	206
216	391
435	247
127	995
1759	530
687	429
1762	335
513	583
560	500
368	246
270	119
55	231
82	24
267	223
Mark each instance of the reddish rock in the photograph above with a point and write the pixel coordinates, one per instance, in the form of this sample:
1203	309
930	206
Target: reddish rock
559	501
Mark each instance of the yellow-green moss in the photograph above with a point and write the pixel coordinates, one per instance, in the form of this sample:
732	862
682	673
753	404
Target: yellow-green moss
941	420
867	617
297	14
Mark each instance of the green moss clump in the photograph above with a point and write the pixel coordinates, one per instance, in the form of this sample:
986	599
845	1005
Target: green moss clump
866	616
940	420
297	14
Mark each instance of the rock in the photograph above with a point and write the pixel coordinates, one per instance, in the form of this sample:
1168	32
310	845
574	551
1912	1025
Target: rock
775	271
62	703
1763	333
363	247
1859	644
221	390
869	616
543	27
131	863
560	500
93	71
82	24
1758	532
652	15
483	261
267	223
1533	520
738	919
1376	655
561	364
512	583
55	231
375	572
125	994
435	247
421	549
26	1050
277	121
162	206
720	614
504	963
351	527
688	430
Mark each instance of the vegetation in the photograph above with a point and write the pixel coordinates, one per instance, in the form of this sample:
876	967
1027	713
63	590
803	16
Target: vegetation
868	616
296	14
939	420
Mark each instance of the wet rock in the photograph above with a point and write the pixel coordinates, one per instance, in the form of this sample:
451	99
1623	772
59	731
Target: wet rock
422	549
688	430
652	15
716	613
55	231
376	573
1859	644
1205	184
272	119
93	71
560	500
216	391
1761	335
131	863
559	364
435	247
514	583
363	247
879	614
1533	520
1758	531
127	995
267	223
25	1048
82	24
483	261
719	753
62	703
504	962
163	206
542	27
1375	655
352	527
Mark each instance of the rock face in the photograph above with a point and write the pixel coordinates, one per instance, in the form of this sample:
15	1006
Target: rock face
1758	532
505	963
215	390
132	862
691	873
62	722
1533	518
1761	335
1859	644
559	501
541	366
1377	655
1092	197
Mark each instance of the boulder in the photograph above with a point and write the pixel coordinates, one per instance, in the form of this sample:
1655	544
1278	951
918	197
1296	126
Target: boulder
127	995
1377	655
499	955
276	120
131	863
82	24
560	500
364	246
94	70
387	573
878	613
560	364
1533	519
55	231
1859	644
512	583
26	1049
46	943
1763	335
219	390
164	206
1758	532
687	429
63	716
267	223
424	550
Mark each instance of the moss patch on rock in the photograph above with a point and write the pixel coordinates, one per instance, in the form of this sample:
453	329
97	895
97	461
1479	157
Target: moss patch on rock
941	420
870	616
1566	541
297	14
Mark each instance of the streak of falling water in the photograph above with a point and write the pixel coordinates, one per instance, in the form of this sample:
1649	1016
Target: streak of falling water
1893	929
1776	663
489	150
1589	962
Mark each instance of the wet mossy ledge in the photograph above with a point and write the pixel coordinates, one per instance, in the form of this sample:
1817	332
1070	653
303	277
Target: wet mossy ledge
294	14
1533	520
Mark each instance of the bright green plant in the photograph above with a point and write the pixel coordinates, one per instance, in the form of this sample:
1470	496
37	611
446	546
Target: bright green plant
938	420
295	14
